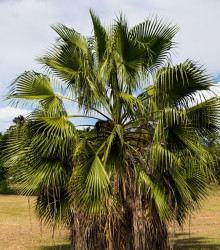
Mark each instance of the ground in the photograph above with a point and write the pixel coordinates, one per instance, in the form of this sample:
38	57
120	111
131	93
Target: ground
20	229
204	230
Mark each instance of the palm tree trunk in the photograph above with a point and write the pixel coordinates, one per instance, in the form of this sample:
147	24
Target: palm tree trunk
136	226
148	231
139	229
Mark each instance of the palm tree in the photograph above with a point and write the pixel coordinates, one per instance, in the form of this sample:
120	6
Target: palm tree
143	164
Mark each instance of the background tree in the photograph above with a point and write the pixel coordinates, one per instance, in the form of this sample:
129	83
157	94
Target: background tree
4	181
212	143
19	119
143	165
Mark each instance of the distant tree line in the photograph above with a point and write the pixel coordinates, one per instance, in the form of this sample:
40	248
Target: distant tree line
4	178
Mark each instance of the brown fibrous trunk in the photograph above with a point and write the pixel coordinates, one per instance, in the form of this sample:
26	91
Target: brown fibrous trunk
135	226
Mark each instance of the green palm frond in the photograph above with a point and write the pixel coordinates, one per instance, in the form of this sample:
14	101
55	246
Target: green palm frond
197	185
131	102
169	118
70	36
52	208
32	86
37	160
109	142
100	38
55	135
128	52
163	158
189	140
158	194
178	184
90	183
35	175
155	36
205	116
180	84
197	190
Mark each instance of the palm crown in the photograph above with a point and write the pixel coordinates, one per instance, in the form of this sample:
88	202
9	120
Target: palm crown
144	152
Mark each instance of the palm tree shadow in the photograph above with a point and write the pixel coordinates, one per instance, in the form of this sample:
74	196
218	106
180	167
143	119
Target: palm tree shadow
57	247
198	243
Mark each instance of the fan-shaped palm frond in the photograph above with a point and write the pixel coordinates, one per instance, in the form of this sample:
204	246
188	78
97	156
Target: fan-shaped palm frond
155	36
90	182
181	84
157	193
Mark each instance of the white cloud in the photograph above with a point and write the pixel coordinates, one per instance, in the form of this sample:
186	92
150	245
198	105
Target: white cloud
1	87
7	114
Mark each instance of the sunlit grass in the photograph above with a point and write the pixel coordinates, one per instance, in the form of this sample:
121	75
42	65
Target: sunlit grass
204	230
21	230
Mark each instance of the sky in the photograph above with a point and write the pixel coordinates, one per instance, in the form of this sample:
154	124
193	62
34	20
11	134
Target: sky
25	33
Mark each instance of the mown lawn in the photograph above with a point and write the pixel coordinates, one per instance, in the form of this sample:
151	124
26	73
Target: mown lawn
20	231
204	226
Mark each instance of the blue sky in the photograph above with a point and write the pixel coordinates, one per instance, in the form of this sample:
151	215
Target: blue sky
26	33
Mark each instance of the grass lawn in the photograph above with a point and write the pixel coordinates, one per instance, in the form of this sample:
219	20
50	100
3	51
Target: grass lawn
204	226
19	231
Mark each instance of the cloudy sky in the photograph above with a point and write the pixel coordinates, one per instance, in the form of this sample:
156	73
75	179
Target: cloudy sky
25	32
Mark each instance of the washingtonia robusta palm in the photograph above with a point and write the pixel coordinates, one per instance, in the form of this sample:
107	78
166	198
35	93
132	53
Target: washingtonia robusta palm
143	164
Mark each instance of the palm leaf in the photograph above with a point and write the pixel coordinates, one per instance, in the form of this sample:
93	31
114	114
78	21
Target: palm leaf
180	84
32	86
155	36
100	37
157	193
90	183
